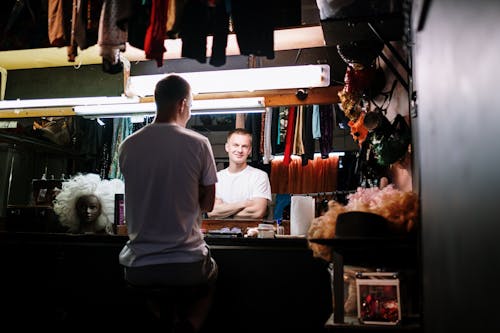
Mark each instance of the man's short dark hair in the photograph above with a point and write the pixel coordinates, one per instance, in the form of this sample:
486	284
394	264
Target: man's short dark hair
170	90
240	131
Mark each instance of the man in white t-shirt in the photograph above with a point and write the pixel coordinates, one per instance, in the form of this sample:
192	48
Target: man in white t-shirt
241	191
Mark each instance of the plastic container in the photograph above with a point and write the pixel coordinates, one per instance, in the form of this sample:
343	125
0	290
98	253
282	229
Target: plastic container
265	231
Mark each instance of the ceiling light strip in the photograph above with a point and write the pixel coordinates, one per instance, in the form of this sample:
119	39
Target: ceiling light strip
214	106
61	102
249	79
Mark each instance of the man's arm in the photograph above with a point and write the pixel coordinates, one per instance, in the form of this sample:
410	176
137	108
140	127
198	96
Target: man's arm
223	209
255	208
206	197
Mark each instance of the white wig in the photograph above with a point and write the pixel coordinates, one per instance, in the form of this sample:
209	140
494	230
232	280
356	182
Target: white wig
83	185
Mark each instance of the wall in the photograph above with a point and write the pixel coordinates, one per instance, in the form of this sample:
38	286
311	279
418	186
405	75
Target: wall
456	59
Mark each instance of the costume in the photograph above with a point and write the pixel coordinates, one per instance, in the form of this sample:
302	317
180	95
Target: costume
162	209
247	184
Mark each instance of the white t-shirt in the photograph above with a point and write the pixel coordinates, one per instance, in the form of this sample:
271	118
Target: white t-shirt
163	166
246	184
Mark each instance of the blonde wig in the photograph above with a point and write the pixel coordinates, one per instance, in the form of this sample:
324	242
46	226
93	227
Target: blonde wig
84	185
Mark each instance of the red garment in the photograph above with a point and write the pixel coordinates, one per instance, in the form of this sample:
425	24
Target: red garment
155	35
290	134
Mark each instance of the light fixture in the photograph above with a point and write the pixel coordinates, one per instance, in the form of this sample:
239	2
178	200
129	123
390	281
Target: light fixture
199	107
249	79
60	102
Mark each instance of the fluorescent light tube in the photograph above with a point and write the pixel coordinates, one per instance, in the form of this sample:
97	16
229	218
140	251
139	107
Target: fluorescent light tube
249	79
59	102
209	106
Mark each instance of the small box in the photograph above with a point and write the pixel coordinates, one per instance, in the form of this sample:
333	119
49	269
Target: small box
379	300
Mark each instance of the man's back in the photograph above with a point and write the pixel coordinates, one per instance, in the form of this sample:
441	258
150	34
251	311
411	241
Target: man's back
163	165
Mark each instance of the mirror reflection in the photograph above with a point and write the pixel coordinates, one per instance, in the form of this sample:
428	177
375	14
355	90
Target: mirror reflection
318	157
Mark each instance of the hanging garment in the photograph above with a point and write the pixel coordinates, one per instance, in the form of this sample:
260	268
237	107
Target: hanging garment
112	37
199	19
240	120
290	132
282	206
316	129
155	35
253	125
139	22
59	25
307	134
298	146
267	154
87	22
326	125
72	48
219	23
122	128
194	26
254	27
274	130
282	125
174	14
262	127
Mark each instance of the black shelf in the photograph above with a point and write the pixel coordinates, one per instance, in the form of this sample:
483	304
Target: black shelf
352	324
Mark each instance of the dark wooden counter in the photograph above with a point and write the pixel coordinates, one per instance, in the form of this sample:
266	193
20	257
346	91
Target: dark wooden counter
263	284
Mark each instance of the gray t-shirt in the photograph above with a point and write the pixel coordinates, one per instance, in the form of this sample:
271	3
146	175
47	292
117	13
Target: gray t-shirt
163	166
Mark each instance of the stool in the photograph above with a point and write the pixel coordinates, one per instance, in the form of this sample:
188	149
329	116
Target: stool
171	302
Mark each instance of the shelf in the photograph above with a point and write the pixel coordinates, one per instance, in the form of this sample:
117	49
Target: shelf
392	253
385	250
366	242
40	145
352	324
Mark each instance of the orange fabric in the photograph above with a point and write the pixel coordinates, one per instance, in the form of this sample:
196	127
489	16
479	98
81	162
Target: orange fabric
319	175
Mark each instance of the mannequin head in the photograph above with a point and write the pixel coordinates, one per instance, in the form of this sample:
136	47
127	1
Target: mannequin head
85	203
88	208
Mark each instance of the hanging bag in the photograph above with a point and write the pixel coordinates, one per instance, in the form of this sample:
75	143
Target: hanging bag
393	145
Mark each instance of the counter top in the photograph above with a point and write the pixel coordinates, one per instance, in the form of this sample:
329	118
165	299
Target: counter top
114	240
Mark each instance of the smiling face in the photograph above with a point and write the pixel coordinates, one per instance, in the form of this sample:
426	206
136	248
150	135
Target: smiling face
88	208
239	147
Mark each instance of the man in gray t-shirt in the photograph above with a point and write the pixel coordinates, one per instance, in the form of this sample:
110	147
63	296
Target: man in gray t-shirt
170	175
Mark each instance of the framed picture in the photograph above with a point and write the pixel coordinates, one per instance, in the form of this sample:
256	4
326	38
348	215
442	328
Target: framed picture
379	300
